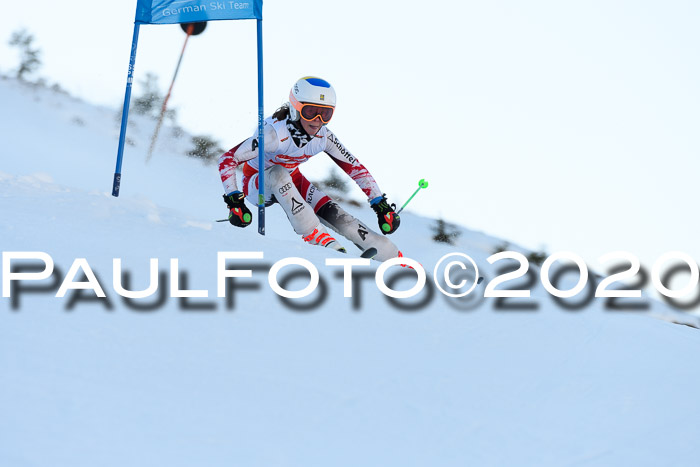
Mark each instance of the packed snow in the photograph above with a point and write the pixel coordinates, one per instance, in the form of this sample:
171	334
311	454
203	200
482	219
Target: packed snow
252	381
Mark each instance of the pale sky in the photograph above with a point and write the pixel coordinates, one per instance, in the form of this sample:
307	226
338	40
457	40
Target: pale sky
558	125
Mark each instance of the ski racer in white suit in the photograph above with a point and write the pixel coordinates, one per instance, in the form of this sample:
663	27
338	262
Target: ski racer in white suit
296	132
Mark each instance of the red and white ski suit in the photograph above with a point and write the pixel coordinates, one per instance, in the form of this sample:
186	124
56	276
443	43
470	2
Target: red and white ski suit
285	182
281	150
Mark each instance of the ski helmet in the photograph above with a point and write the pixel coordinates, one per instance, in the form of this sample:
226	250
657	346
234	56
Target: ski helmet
310	90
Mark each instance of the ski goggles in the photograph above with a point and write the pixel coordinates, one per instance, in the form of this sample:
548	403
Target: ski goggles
311	112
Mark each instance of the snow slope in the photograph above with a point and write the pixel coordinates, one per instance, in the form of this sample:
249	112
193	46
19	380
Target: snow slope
87	382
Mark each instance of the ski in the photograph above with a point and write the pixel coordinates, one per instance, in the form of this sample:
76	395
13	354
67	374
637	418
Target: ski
370	253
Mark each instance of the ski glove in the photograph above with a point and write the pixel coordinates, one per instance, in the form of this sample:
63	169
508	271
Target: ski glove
238	215
386	215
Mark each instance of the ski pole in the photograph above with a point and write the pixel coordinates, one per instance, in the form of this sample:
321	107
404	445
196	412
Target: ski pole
421	184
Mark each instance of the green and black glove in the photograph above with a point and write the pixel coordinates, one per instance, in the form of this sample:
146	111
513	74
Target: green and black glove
389	221
238	215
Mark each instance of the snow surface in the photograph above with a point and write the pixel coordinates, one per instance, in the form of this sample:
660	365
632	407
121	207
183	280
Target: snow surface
86	382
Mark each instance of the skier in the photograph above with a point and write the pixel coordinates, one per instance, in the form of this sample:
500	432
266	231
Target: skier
293	134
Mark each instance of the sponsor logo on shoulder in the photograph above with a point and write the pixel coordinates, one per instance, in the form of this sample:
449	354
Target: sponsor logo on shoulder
333	139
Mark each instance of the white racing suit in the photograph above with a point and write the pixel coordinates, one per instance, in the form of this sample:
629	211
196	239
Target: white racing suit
303	202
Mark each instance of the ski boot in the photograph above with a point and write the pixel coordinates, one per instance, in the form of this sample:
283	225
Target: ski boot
319	236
